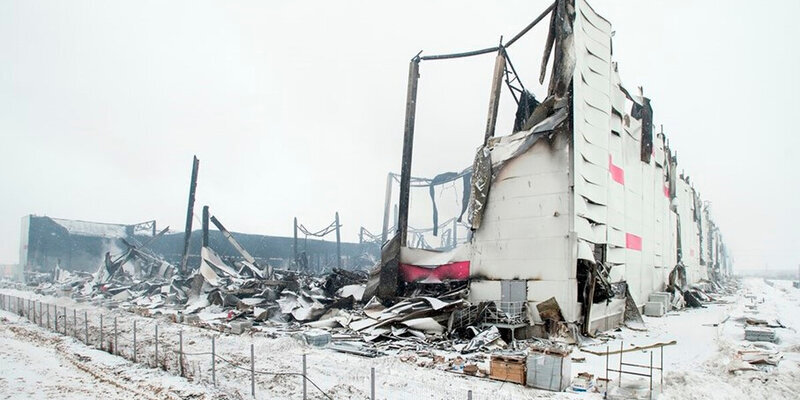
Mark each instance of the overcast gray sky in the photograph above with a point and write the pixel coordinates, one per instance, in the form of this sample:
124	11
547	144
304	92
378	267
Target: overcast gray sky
296	108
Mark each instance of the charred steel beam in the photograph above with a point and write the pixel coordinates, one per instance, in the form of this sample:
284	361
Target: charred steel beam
495	48
494	95
589	300
189	215
532	24
408	148
205	226
249	258
294	246
461	55
386	206
153	239
338	242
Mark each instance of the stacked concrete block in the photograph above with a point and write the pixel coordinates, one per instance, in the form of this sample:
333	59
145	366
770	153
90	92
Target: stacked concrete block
654	309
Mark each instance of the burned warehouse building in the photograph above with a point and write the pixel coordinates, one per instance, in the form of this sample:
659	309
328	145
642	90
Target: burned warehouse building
582	208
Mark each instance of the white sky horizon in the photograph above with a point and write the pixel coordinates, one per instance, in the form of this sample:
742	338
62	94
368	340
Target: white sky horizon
103	104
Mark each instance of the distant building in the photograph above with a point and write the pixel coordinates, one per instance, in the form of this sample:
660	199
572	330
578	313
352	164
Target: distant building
81	246
73	245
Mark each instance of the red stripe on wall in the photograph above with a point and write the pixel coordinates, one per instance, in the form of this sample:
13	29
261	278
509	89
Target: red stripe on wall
633	242
617	173
458	271
666	191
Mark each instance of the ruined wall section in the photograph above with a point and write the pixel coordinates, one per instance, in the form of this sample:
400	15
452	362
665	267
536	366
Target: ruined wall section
525	231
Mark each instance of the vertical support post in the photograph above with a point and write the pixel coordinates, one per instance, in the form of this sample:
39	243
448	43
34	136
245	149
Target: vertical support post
180	351
41	315
252	371
387	200
213	362
494	95
294	246
619	382
661	371
156	340
55	318
408	149
305	377
116	349
48	315
607	354
589	300
338	242
455	232
469	394
134	341
101	331
189	214
65	321
372	383
205	226
86	326
75	323
651	374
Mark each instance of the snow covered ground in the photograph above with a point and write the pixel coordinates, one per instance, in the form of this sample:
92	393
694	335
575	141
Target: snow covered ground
36	363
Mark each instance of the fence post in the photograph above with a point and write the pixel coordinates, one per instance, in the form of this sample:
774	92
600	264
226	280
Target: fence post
180	351
134	341
55	318
41	315
156	345
86	325
372	383
252	371
101	331
75	323
48	315
213	362
34	312
116	350
304	378
469	394
65	320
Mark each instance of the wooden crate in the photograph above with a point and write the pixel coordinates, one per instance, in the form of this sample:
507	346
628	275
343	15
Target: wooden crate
508	368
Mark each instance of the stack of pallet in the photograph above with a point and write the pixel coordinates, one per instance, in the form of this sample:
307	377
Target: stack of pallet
509	368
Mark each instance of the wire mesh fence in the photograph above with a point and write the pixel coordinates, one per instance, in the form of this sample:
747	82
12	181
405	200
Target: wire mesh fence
140	342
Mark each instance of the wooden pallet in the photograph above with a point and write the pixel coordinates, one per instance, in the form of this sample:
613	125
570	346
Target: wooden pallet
508	368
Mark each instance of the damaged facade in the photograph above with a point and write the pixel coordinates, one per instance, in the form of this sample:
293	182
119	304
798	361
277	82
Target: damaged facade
582	201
